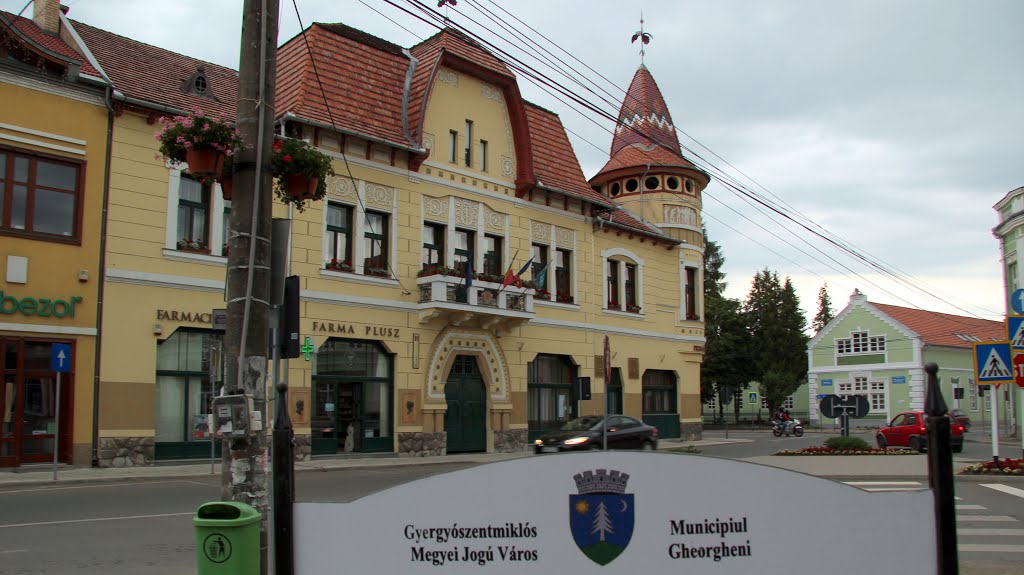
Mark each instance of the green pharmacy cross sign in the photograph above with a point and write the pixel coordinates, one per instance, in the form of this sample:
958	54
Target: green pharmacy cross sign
307	348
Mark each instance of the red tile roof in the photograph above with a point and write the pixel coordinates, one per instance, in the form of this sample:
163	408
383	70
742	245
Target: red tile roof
554	162
30	30
637	155
937	328
626	219
155	75
363	78
464	47
644	116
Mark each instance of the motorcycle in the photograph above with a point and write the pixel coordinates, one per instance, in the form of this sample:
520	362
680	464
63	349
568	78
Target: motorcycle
787	427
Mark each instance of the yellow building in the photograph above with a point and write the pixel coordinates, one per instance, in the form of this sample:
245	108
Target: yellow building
53	150
443	169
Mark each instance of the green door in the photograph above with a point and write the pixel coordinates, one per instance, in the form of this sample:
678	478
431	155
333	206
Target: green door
466	418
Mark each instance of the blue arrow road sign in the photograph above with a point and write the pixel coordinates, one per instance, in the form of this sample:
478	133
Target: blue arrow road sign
1017	301
60	358
992	363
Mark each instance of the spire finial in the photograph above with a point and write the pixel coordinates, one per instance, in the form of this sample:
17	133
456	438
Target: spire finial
644	37
445	4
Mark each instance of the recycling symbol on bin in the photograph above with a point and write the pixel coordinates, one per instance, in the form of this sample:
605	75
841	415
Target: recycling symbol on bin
217	548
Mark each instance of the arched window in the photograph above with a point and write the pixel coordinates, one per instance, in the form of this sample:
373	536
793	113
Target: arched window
551	394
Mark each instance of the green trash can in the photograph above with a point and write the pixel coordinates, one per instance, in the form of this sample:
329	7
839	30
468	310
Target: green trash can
227	538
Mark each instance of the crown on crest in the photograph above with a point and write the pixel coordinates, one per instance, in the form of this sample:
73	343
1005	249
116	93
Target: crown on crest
601	481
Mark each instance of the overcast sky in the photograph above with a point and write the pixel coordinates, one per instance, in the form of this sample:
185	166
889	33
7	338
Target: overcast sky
895	125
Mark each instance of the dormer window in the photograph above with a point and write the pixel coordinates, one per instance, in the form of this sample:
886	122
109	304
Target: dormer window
198	85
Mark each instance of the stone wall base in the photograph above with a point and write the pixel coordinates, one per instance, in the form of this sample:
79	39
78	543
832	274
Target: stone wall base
691	431
422	444
510	441
303	447
126	451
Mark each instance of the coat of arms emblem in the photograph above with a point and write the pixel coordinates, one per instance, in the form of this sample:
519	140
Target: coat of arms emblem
601	515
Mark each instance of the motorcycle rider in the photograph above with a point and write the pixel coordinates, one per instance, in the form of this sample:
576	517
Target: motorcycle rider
782	419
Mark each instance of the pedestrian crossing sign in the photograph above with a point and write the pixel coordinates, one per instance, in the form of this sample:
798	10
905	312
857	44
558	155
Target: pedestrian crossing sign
1015	331
992	363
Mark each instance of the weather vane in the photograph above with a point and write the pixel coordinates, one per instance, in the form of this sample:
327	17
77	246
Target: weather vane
445	3
644	37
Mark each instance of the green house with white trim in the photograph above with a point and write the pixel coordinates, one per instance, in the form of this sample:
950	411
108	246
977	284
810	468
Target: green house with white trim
880	350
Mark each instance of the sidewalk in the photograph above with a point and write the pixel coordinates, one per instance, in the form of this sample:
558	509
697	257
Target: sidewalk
851	467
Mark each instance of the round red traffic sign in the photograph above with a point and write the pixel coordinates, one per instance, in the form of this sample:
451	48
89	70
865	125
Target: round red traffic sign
1018	369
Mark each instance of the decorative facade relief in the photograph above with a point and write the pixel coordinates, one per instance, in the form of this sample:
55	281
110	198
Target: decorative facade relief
565	238
491	93
494	221
380	196
341	188
683	215
467	213
508	167
448	77
428	140
435	209
540	232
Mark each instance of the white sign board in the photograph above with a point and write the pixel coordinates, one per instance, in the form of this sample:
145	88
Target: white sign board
632	511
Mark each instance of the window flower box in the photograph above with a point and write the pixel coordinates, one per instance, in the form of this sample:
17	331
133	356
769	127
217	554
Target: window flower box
632	308
542	294
194	246
612	304
562	297
377	272
342	266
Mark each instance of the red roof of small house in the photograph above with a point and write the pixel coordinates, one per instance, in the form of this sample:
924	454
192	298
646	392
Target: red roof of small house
157	76
27	28
945	329
363	80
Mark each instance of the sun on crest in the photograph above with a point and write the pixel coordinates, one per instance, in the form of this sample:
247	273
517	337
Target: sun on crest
582	507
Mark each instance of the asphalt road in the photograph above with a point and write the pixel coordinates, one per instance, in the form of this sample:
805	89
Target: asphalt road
122	528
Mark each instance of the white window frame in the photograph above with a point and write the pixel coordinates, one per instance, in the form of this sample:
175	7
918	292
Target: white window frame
359	210
549	277
860	342
698	292
622	254
712	403
878	395
216	219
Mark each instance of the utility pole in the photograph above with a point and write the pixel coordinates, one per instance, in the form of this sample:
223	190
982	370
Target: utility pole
246	343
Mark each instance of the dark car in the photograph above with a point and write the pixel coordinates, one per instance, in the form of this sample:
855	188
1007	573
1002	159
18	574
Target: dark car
962	418
587	432
910	430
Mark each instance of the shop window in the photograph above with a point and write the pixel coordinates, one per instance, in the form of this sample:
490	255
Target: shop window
433	245
39	196
550	397
338	234
563	276
492	256
193	215
352	401
184	391
375	262
659	391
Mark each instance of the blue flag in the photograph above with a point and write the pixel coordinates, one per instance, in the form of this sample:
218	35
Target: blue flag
540	278
525	267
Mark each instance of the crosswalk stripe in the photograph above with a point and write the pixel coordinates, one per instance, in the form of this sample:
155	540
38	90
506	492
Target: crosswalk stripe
990	532
990	548
859	483
986	518
1004	489
878	489
971	507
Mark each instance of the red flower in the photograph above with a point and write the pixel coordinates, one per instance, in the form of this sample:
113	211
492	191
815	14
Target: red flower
286	159
277	145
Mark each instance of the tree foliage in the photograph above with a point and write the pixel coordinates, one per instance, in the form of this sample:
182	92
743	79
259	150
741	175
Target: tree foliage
825	313
778	345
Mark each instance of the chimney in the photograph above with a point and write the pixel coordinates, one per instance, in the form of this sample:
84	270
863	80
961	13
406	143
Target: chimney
46	15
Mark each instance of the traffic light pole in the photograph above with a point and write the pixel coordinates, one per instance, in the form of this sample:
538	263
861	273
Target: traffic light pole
940	474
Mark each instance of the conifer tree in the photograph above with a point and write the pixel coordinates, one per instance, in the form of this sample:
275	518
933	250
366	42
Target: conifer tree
779	345
825	313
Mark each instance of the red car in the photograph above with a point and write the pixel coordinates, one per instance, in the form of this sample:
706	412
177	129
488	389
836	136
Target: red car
910	430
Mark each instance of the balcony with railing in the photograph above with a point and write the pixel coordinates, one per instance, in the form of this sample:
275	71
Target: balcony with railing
484	303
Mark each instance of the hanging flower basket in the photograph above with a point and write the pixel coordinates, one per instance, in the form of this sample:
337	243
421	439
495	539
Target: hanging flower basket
204	162
226	177
300	187
198	140
300	172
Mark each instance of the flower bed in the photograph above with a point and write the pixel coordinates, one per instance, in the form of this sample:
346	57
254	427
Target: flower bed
1006	467
831	451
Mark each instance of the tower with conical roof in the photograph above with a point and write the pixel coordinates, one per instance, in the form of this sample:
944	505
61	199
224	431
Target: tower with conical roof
647	176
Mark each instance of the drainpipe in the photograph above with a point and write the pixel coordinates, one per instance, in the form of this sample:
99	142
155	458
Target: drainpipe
102	279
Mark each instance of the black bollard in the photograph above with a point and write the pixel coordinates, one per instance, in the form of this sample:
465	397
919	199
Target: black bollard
284	485
940	473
